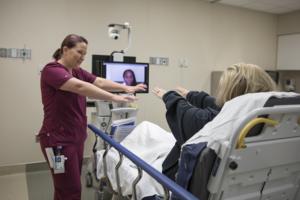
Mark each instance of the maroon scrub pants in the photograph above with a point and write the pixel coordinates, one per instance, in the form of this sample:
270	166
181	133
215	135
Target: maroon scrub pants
67	186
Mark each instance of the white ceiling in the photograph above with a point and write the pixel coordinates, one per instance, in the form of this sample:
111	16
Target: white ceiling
269	6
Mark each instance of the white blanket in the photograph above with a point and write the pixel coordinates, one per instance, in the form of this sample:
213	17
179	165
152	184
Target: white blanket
147	141
219	131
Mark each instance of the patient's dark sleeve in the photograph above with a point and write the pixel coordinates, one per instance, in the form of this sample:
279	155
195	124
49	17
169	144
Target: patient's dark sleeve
183	118
201	100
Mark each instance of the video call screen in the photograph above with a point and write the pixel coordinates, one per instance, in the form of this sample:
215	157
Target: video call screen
126	73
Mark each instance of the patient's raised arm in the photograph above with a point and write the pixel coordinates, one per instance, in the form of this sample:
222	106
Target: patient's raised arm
159	92
182	91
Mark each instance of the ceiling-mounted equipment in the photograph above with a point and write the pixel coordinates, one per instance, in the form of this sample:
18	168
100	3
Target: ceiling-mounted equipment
114	31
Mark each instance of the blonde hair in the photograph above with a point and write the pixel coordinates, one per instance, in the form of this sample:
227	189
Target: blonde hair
243	78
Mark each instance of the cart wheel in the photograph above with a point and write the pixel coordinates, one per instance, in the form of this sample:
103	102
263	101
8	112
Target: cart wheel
88	180
103	195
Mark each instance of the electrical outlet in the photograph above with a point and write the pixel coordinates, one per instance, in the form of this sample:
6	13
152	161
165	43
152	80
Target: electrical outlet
3	52
164	61
14	53
28	54
22	53
159	60
183	63
8	53
152	60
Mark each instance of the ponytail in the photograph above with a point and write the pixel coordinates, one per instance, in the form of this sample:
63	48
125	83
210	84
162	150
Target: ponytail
57	54
70	41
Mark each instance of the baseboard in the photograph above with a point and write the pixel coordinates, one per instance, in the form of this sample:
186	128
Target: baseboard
26	168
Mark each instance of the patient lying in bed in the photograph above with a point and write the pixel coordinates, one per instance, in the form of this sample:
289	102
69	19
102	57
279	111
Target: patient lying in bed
152	143
190	112
186	115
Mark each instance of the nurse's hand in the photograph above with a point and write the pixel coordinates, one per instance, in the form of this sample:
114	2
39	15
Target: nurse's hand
134	89
124	99
159	92
182	91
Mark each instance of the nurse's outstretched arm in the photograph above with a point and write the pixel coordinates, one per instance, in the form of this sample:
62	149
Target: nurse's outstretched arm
87	89
117	87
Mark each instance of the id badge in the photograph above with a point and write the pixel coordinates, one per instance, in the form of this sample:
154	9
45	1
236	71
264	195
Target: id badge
56	159
59	164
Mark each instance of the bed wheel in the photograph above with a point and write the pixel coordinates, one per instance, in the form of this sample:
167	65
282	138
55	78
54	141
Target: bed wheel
88	180
103	195
233	165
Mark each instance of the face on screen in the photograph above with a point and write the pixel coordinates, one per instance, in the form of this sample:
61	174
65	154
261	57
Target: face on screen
129	77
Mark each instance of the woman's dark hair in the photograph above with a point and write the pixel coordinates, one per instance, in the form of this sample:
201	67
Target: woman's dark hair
70	41
133	75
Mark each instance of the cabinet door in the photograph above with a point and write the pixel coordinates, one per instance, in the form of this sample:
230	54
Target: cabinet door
288	56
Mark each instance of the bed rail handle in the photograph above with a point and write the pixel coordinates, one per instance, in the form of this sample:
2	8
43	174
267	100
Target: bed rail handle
105	169
117	174
241	140
136	180
161	178
166	192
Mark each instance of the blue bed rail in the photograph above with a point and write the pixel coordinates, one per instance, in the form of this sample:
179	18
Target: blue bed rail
161	178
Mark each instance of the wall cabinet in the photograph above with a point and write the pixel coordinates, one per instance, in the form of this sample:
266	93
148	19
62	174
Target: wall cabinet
288	54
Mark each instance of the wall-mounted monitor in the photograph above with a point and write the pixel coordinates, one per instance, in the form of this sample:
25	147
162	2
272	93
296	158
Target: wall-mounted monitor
126	73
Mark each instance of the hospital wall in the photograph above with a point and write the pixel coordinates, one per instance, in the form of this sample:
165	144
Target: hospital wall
289	24
208	36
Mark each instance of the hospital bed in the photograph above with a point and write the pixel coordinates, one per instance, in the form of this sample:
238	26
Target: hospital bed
261	161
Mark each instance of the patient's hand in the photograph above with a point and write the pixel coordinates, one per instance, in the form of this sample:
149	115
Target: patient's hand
159	92
182	91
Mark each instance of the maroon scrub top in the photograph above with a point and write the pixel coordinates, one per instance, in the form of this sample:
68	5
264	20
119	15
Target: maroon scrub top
65	120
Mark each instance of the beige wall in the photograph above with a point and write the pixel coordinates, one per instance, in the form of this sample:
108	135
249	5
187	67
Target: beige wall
208	36
289	23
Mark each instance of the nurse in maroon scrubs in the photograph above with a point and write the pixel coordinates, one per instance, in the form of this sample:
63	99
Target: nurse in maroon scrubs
64	88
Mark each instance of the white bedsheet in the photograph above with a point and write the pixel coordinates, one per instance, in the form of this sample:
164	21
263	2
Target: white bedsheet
149	142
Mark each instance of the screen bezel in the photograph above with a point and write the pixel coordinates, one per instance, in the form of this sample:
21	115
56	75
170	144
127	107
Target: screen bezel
146	72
